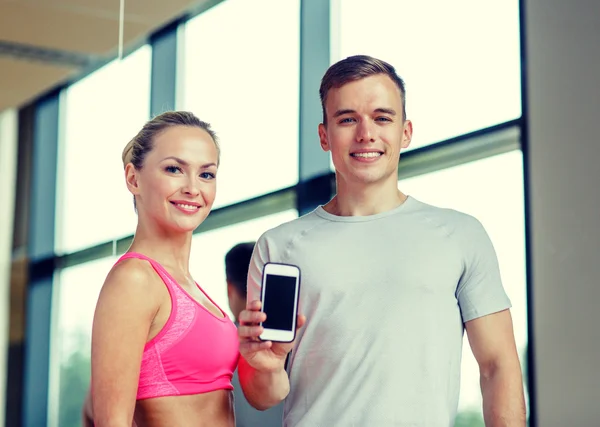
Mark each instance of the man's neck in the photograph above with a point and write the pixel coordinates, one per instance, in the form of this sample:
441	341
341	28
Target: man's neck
365	200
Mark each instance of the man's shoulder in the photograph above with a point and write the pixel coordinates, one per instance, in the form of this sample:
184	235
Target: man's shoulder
445	213
292	227
457	223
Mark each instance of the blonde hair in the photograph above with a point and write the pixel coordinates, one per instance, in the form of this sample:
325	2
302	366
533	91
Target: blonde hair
138	148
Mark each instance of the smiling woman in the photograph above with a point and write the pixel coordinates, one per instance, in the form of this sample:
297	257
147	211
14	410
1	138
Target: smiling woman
176	157
152	319
138	148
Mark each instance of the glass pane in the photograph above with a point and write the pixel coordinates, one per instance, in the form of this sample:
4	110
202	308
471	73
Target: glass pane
207	263
102	113
460	59
492	191
242	76
76	293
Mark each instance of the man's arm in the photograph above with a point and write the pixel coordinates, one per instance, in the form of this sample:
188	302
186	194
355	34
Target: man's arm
261	366
261	371
492	341
262	390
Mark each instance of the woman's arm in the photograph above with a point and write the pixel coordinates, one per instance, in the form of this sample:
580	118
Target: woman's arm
126	307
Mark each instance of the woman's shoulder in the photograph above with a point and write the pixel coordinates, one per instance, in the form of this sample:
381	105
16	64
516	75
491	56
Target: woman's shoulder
134	269
133	276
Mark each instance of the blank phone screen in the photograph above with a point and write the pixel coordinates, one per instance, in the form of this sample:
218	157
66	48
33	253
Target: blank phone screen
279	302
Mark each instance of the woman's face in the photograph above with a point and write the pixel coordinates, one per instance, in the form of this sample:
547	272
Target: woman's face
176	186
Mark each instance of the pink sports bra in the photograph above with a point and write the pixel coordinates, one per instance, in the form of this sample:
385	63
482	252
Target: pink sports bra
195	352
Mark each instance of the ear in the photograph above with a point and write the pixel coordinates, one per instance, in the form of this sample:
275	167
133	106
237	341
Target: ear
131	178
323	137
407	134
230	290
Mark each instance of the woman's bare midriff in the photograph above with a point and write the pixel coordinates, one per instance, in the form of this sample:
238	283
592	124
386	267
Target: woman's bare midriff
213	409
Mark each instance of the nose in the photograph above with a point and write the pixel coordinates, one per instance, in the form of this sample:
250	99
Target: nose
365	132
191	187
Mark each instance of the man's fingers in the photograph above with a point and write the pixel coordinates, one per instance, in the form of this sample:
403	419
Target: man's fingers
254	346
249	332
301	320
251	317
254	305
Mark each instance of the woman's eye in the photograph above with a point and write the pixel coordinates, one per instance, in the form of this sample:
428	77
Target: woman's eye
173	169
207	175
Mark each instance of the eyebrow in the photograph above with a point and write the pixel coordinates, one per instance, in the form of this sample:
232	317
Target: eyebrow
184	163
389	111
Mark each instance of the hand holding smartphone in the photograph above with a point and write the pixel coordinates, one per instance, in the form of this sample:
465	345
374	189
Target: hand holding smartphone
279	296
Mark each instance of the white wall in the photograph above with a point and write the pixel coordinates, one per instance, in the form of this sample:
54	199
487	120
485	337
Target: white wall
563	73
8	172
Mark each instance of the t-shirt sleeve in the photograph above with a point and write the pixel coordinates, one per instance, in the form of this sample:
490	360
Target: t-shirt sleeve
480	291
260	256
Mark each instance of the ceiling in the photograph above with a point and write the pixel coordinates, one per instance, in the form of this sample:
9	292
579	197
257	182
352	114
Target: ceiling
44	43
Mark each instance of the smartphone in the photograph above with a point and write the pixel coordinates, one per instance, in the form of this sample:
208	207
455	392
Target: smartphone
279	296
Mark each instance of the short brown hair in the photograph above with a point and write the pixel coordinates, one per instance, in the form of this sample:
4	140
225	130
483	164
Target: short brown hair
237	263
136	150
355	68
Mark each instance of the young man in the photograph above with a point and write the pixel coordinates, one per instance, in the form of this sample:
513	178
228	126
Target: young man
388	285
237	261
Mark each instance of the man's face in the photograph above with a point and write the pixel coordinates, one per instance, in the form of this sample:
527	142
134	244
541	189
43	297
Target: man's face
365	130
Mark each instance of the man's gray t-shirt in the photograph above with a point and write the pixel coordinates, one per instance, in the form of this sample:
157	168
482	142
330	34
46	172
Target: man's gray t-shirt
385	298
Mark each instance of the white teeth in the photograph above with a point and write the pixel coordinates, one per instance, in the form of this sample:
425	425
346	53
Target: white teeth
189	207
366	155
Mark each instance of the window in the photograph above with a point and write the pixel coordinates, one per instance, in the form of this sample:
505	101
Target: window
102	113
75	297
460	60
207	263
492	191
242	76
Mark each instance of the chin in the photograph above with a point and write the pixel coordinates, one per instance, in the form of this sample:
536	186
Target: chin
373	176
181	230
367	178
192	225
184	226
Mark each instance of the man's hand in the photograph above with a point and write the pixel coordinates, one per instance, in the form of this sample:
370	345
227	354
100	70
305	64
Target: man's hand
263	356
